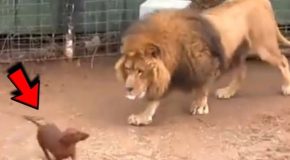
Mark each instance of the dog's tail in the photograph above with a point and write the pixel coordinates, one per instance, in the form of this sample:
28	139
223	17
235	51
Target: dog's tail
38	121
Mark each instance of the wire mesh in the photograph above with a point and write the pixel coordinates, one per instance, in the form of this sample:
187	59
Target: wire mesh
285	28
38	29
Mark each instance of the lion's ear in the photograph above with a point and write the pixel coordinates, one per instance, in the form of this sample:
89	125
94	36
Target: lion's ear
119	67
152	50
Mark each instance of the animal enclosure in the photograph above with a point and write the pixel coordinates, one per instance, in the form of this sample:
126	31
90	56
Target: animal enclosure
38	29
253	125
42	29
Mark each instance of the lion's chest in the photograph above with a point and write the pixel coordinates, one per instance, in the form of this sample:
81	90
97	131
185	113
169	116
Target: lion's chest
186	79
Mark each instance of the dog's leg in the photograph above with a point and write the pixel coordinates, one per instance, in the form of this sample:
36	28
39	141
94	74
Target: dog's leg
145	117
235	84
45	152
276	58
73	156
42	146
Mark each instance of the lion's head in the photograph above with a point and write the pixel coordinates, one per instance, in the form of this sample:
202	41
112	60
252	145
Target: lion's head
141	69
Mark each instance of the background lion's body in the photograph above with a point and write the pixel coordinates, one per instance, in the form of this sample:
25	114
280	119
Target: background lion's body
239	20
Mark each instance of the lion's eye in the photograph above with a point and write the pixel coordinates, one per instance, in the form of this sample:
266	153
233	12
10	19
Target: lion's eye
127	69
140	71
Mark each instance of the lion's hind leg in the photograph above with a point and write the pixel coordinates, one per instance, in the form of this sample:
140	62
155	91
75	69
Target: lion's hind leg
274	57
232	88
239	69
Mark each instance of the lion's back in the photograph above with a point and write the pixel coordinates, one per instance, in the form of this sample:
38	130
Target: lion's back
169	23
238	19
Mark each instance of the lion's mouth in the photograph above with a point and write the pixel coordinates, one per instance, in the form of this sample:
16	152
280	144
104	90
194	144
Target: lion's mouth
133	97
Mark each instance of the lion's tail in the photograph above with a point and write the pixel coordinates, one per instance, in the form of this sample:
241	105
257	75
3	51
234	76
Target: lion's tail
282	39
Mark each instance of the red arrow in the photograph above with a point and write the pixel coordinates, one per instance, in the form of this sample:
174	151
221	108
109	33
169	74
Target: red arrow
27	92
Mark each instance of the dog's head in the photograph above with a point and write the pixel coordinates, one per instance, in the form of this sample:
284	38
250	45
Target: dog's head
72	136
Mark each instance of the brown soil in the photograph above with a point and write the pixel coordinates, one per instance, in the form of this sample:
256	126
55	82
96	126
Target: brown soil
254	125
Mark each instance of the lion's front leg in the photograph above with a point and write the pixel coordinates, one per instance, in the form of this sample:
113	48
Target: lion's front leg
145	117
199	104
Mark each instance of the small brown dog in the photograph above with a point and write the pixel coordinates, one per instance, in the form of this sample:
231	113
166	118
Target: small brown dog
60	144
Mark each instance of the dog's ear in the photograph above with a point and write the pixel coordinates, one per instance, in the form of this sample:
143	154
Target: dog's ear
152	50
82	136
67	139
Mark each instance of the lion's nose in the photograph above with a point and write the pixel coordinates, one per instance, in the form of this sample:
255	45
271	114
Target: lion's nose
129	89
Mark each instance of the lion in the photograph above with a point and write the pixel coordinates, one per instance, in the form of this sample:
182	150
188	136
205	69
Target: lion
191	49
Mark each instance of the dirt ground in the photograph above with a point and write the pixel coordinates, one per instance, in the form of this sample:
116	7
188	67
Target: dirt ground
254	125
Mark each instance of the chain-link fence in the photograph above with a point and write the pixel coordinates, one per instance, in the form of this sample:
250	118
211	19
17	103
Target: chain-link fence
45	29
282	13
48	29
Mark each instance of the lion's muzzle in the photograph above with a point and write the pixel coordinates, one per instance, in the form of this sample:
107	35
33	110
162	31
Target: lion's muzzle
134	90
133	97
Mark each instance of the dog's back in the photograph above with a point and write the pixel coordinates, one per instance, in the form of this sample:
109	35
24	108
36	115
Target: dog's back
48	135
52	139
47	132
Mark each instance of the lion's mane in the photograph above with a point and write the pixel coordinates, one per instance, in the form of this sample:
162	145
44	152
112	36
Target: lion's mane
188	46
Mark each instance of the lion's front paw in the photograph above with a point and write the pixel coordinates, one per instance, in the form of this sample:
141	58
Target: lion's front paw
225	93
199	109
286	90
139	120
